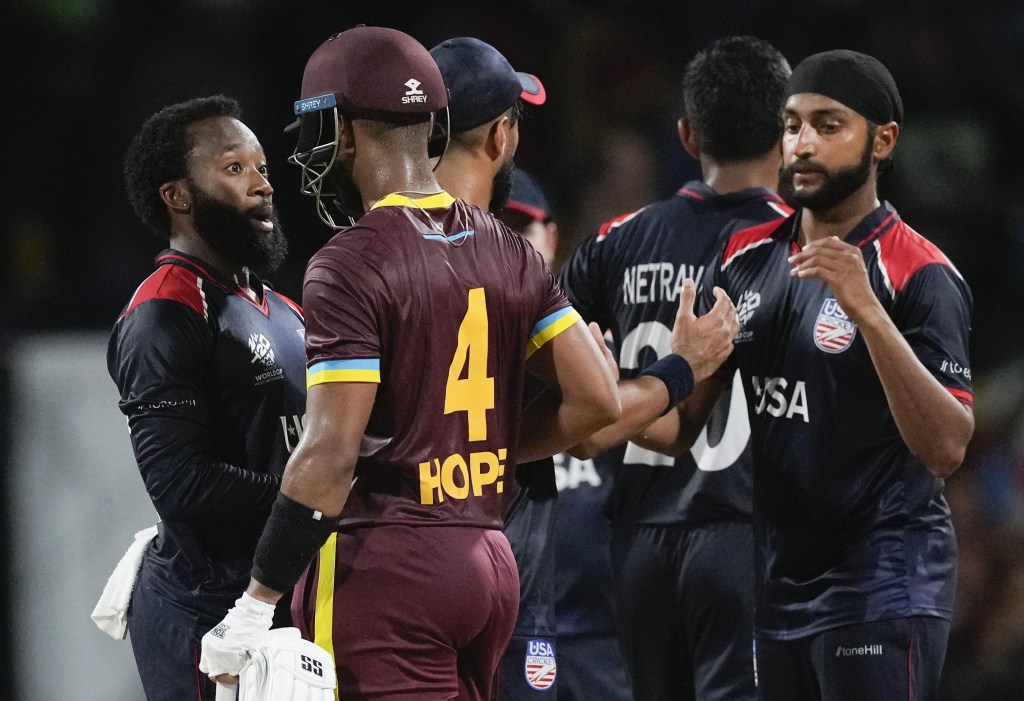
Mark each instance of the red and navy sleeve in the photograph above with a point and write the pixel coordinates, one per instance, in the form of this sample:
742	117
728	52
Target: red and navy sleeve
933	311
161	358
583	278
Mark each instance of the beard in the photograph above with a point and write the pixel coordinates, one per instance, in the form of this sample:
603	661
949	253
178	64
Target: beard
346	196
233	234
501	187
838	184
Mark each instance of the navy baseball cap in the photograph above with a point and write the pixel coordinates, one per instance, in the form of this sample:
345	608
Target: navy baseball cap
527	197
481	82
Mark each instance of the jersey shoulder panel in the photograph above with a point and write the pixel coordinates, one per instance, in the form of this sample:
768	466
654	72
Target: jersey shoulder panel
289	302
613	225
749	239
902	252
173	283
345	243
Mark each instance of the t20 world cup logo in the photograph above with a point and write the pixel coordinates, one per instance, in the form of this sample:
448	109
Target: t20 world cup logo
261	351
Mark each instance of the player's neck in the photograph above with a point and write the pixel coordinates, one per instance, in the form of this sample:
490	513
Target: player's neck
462	178
724	178
841	219
391	173
192	244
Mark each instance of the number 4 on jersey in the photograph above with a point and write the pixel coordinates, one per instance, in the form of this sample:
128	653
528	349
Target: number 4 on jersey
474	392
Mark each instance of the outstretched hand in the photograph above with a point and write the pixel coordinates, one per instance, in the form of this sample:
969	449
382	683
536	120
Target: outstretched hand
705	342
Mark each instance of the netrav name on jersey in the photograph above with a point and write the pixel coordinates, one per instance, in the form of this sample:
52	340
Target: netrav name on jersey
771	395
455	476
657	282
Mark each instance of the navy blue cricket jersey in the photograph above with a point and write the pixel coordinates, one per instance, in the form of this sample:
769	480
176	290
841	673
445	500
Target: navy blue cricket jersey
849	526
213	386
530	529
628	278
583	587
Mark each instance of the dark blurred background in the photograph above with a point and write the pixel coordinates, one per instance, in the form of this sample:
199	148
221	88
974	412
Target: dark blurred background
80	76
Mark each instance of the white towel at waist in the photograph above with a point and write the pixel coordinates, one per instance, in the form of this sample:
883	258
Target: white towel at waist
111	612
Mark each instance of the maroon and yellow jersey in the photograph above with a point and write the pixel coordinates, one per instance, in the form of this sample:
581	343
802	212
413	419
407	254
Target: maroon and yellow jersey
441	304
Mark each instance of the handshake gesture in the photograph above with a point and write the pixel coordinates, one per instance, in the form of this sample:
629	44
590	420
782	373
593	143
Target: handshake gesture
706	341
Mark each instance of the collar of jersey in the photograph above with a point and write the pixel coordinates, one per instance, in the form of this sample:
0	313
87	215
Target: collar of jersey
700	191
875	224
171	256
438	200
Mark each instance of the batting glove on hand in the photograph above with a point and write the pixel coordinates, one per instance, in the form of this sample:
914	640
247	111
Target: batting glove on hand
226	648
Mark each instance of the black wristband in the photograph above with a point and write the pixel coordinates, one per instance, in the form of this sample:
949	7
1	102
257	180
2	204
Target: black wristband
675	372
293	535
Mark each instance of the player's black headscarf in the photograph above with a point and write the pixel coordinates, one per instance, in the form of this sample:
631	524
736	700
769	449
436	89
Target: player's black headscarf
857	80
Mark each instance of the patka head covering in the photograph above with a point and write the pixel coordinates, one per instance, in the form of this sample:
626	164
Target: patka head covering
857	80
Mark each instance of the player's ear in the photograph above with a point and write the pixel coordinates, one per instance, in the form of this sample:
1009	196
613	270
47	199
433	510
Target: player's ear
499	138
687	138
346	136
177	196
885	141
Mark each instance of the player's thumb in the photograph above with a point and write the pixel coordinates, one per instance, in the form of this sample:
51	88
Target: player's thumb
723	305
687	298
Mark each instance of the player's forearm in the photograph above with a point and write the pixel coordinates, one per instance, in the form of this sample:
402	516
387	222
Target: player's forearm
196	486
669	435
675	433
553	424
319	477
186	480
934	424
262	592
642	400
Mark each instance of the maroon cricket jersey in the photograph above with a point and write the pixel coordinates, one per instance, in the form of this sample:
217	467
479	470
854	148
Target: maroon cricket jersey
441	304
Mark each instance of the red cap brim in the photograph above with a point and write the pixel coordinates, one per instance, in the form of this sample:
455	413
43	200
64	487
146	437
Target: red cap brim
533	89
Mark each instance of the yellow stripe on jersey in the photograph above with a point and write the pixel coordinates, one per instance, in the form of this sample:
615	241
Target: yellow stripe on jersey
549	327
354	370
435	201
323	615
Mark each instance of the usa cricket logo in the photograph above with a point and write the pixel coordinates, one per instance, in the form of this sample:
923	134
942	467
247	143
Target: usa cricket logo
540	664
833	330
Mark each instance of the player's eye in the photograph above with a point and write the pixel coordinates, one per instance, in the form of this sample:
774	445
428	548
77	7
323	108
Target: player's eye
234	167
264	170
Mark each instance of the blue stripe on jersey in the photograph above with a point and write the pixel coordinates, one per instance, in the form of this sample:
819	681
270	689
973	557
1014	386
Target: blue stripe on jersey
450	239
550	319
549	327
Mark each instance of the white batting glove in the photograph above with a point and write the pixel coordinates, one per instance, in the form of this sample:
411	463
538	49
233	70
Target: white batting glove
226	648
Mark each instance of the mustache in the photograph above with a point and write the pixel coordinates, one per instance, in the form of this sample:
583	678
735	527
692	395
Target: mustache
262	211
805	166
